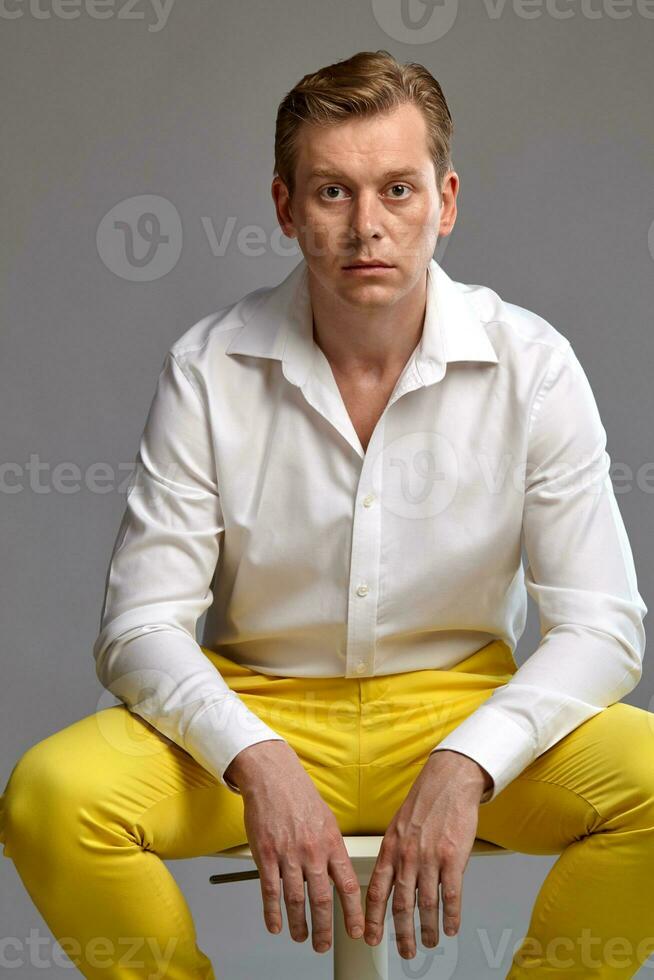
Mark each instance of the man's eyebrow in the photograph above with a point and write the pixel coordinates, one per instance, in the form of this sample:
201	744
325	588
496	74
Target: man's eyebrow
329	173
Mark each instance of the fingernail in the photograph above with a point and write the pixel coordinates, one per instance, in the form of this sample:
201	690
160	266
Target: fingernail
322	947
357	932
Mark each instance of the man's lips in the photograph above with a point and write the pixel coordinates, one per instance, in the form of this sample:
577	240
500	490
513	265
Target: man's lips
369	265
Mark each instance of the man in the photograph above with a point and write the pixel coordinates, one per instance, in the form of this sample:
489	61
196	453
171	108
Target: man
342	469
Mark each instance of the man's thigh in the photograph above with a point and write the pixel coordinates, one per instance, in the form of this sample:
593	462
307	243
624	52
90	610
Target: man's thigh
113	775
598	775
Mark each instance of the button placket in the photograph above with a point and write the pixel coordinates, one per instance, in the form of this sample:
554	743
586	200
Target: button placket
364	570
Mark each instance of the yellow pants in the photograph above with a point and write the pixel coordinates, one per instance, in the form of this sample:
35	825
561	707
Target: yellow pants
89	812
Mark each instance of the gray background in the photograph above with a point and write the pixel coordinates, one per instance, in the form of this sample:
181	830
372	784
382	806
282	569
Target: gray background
554	148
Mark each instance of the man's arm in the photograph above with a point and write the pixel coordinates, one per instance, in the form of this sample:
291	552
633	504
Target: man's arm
158	585
580	573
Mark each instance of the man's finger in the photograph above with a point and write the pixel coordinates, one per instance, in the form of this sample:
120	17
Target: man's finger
379	889
295	900
319	888
451	889
271	892
404	904
428	903
349	890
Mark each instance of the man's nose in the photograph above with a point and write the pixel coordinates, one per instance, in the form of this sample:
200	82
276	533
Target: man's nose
366	219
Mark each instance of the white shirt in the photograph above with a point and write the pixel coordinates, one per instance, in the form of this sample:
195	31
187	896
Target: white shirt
251	490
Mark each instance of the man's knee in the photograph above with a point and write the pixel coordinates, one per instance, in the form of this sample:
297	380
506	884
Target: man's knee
38	792
629	754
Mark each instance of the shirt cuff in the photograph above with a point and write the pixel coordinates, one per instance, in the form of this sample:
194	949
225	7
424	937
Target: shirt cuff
223	729
495	742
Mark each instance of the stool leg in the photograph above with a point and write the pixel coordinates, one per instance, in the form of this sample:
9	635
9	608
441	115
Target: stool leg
354	957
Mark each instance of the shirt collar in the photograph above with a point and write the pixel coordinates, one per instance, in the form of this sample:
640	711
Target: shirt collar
281	327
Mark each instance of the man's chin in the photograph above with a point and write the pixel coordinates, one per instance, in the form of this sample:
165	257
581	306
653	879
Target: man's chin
368	295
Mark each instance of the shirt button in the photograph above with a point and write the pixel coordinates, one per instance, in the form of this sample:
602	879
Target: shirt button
361	666
362	590
368	499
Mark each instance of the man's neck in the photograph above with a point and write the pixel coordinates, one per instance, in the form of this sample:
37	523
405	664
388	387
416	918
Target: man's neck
371	342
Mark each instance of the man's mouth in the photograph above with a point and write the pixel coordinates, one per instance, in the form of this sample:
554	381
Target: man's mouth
369	264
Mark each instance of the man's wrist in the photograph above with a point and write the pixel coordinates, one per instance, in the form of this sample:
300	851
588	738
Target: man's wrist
486	782
239	766
247	761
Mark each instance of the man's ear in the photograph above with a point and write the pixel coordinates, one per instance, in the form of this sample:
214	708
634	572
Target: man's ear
282	200
449	191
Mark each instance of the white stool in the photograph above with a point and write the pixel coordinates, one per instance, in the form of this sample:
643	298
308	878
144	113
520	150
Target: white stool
352	957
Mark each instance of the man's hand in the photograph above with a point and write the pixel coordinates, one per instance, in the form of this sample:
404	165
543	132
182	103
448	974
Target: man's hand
294	835
428	842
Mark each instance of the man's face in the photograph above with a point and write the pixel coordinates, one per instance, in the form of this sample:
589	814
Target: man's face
366	189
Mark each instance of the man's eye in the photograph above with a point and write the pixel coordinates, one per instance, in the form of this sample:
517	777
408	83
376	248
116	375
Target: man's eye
332	187
327	194
402	187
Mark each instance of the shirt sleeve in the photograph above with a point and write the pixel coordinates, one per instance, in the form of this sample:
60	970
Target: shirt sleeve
159	583
581	574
